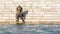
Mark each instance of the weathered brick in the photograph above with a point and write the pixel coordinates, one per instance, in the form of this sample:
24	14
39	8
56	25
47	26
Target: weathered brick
37	9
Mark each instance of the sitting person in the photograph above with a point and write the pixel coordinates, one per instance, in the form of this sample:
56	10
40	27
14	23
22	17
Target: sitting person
19	14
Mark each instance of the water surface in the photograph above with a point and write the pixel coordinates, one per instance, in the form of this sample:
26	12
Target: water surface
29	29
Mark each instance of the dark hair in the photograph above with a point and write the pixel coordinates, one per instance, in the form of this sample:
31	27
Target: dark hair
21	8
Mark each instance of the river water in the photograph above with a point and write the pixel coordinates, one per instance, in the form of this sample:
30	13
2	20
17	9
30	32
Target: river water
30	29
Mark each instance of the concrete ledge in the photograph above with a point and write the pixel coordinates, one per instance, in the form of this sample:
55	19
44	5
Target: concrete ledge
41	22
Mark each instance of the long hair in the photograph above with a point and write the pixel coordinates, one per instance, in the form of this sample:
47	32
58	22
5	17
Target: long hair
19	9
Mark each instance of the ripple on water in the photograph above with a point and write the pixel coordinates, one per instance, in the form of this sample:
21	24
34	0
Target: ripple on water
29	29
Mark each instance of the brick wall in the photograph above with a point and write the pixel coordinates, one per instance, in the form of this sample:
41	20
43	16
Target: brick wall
38	10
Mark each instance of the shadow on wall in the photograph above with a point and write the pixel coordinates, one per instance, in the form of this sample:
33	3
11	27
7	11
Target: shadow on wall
24	14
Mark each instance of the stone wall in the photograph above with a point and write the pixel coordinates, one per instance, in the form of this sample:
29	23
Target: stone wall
38	10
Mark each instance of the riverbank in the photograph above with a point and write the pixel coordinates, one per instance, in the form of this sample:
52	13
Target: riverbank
41	22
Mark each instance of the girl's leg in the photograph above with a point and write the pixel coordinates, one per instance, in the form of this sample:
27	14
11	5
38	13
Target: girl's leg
17	18
23	20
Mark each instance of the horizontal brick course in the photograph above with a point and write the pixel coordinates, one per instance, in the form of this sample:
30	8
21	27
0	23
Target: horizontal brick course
37	9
